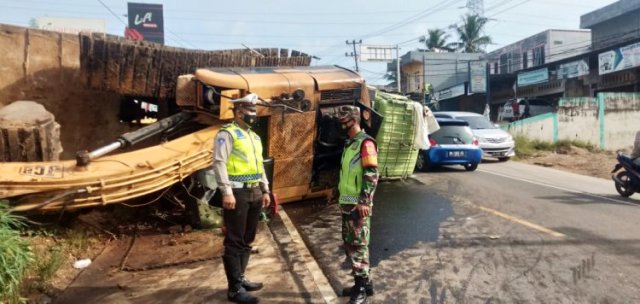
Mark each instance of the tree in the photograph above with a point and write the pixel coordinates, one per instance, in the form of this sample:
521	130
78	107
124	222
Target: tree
33	23
436	41
471	34
392	77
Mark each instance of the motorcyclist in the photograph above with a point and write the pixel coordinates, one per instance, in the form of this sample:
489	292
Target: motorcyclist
635	154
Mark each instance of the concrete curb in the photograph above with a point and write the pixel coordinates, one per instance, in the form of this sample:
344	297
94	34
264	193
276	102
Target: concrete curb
302	252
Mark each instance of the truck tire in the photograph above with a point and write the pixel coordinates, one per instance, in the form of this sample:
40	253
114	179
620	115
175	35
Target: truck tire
28	132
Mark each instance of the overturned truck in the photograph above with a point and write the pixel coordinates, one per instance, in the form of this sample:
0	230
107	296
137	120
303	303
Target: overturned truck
302	144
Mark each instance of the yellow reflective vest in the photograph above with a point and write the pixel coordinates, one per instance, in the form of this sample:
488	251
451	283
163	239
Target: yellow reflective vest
245	164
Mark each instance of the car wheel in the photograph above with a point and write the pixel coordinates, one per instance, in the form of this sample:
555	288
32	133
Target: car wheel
503	159
471	167
422	163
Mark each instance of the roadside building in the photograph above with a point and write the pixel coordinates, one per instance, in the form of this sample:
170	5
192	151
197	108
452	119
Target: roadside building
569	67
446	77
612	24
538	50
615	61
521	69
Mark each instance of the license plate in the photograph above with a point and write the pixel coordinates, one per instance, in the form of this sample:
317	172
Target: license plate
456	154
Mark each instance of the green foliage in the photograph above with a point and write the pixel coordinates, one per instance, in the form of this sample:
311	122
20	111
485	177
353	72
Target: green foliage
564	143
531	148
471	34
15	255
48	263
436	41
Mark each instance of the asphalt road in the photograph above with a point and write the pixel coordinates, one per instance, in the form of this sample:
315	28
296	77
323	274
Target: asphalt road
506	233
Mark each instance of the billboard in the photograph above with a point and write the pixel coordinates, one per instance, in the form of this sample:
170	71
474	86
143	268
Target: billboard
573	69
71	25
145	22
618	59
477	77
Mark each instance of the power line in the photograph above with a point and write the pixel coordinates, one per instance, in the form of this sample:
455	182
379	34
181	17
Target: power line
112	13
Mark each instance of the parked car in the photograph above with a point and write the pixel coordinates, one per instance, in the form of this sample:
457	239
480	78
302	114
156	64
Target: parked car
452	144
536	107
494	141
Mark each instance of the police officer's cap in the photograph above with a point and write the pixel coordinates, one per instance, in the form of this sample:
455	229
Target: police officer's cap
247	102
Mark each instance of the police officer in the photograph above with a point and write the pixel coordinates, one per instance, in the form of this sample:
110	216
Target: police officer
239	171
358	181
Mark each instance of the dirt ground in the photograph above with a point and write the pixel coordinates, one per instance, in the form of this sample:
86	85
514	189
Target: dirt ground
577	160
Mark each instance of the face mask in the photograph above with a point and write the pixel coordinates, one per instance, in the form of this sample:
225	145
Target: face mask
249	119
347	125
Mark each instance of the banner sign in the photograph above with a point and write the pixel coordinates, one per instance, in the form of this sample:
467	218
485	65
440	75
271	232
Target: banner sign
477	77
451	92
573	69
146	22
618	59
533	77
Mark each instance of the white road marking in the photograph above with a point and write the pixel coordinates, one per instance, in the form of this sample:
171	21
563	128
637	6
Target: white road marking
561	188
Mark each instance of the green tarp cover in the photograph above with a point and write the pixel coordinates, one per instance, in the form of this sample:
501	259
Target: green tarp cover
395	139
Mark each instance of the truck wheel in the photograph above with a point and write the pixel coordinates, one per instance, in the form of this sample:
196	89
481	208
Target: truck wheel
28	132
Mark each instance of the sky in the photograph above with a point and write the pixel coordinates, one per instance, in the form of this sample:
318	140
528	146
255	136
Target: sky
319	28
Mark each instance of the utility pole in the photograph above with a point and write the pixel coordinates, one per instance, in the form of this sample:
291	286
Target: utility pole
424	79
476	7
398	77
355	53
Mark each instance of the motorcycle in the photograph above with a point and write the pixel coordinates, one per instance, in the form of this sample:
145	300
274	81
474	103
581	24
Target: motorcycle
627	182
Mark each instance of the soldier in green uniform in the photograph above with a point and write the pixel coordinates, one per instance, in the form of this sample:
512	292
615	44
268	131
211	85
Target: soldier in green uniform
241	178
358	181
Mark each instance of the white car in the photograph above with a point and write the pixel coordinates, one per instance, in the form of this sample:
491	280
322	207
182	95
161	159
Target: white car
536	107
494	141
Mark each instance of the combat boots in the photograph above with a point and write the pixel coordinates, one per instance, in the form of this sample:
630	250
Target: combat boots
248	285
368	287
359	292
236	293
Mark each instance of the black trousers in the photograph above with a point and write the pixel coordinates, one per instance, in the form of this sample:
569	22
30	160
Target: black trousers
241	223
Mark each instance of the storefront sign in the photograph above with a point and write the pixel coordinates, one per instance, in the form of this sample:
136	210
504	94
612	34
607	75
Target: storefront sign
573	69
619	59
477	77
451	92
533	77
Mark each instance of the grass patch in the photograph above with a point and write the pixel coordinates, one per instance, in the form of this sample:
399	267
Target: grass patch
15	255
526	147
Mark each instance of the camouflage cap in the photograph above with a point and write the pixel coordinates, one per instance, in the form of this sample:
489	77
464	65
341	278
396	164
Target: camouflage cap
344	112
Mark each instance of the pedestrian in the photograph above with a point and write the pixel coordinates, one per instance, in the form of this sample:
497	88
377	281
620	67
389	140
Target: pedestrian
527	109
515	106
239	171
356	187
635	153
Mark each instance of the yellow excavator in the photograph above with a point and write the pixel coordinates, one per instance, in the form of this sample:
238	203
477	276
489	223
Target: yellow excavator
302	145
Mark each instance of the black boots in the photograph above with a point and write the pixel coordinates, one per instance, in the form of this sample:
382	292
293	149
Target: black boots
359	291
368	287
233	269
249	286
